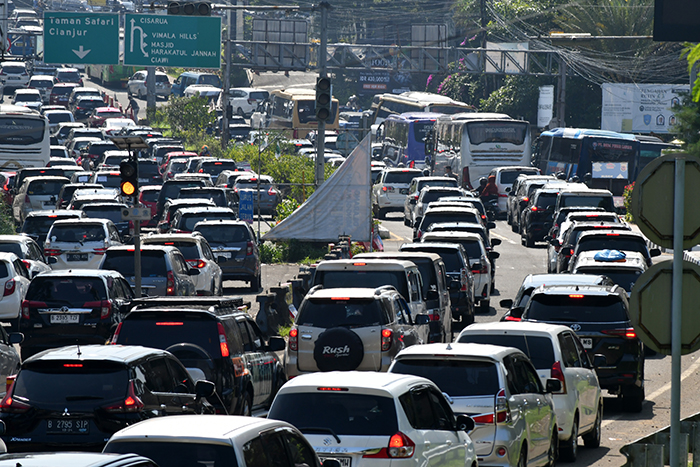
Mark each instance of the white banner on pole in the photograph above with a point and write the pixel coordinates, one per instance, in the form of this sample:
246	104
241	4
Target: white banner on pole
545	106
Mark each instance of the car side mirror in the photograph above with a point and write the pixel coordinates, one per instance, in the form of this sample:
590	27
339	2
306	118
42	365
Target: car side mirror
276	344
554	242
465	423
599	360
494	255
455	285
506	303
517	312
421	319
553	385
193	272
204	388
490	225
52	260
654	252
496	241
16	337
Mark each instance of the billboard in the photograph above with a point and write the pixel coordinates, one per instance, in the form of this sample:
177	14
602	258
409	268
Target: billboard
640	108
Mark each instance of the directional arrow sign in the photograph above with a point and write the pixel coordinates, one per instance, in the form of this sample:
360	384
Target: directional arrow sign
181	41
81	38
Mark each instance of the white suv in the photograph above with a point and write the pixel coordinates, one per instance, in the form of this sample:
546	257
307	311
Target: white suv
556	352
79	243
376	419
390	191
245	101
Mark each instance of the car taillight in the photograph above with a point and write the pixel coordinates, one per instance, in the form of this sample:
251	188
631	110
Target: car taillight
419	234
131	402
9	288
99	251
26	199
223	344
115	336
525	199
568	252
272	192
249	248
501	407
483	269
388	189
415	197
294	339
196	263
27	305
512	318
9	380
10	404
387	335
105	309
400	446
627	333
27	264
170	284
557	373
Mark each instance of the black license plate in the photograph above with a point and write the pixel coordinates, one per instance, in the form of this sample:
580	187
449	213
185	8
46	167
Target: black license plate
77	257
72	427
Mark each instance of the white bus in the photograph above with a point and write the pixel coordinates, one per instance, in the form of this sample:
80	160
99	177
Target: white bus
384	105
24	138
474	143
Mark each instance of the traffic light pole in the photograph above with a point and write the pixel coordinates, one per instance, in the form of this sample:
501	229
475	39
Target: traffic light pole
323	73
227	84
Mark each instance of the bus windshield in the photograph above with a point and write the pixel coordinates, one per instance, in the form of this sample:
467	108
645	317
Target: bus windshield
421	129
496	132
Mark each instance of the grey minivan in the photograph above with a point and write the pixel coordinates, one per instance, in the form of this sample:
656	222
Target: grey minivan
164	270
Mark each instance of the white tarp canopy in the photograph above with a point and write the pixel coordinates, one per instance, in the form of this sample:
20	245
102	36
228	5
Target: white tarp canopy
341	206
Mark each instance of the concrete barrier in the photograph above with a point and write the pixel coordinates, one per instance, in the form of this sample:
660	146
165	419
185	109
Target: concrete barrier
653	450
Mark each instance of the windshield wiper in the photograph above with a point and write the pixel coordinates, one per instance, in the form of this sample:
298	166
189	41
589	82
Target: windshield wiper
322	430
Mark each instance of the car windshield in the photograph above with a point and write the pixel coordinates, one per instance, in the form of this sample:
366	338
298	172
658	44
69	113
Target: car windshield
122	261
331	313
403	177
345	413
66	290
84	386
624	277
575	308
178	453
224	235
539	349
78	233
367	278
458	378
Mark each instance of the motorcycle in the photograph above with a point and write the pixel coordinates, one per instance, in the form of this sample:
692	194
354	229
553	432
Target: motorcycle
491	207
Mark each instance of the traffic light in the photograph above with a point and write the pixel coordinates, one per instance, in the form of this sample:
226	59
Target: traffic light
324	93
129	171
189	8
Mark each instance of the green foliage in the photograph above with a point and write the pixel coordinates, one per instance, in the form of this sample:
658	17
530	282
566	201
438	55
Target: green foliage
292	251
627	194
517	97
286	208
687	127
187	117
271	252
7	225
692	54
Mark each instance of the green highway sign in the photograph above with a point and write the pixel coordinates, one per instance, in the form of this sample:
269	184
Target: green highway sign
181	41
91	38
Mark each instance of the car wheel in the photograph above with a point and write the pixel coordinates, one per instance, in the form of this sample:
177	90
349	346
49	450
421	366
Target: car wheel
141	95
592	438
553	451
406	221
509	217
467	319
255	283
484	306
381	213
221	288
514	226
633	398
522	459
247	405
569	450
240	112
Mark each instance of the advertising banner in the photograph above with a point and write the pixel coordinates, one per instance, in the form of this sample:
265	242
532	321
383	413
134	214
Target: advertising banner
545	106
640	108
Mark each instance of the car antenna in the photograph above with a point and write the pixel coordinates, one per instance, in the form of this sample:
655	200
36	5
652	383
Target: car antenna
79	353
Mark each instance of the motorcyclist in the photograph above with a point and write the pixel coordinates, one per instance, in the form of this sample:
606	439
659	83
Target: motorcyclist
490	190
480	188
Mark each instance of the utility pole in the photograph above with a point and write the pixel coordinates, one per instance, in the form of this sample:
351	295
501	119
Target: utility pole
227	84
561	94
323	73
150	94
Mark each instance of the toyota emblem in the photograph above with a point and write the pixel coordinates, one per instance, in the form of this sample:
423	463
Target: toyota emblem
575	327
64	308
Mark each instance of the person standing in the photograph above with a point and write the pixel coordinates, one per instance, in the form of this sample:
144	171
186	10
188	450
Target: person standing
134	108
450	173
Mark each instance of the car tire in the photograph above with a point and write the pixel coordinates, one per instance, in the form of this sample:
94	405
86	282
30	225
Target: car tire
633	398
484	306
525	237
247	404
509	218
255	283
240	112
406	221
381	213
553	452
592	439
338	337
522	458
568	451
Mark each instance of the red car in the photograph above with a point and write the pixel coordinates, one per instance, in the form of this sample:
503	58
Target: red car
7	182
148	196
100	114
60	93
175	155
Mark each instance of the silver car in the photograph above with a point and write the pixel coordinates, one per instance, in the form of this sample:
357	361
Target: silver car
137	85
79	243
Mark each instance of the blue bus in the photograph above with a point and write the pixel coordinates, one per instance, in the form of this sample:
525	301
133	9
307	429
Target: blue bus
603	159
403	138
650	148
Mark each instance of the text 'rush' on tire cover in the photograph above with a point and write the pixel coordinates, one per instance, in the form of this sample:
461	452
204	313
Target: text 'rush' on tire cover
338	349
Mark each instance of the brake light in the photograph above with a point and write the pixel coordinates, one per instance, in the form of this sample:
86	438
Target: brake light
386	339
28	305
415	197
223	345
512	318
272	192
131	402
197	263
525	199
9	288
501	407
332	389
568	252
359	264
12	405
613	235
249	248
294	339
340	298
434	317
72	365
627	333
400	446
170	284
388	189
533	209
576	295
557	373
115	336
99	251
483	269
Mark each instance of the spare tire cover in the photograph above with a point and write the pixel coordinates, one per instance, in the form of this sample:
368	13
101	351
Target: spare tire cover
338	349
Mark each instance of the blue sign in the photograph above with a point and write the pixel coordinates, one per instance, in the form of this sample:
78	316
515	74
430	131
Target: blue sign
245	206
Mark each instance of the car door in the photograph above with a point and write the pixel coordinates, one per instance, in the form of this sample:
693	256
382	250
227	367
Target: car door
590	386
408	334
541	409
257	363
184	392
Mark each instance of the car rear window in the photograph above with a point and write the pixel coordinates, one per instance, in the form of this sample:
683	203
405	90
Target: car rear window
14	69
439	218
605	202
109	180
4	270
148	169
177	452
363	278
509	176
189	221
545	200
188	249
161	330
122	261
68	76
224	235
538	348
624	277
79	384
434	195
44	187
61	90
404	177
473	248
343	412
150	196
65	290
40	224
258	95
217	196
447	182
58	117
612	242
215	167
576	308
78	233
458	378
331	313
12	248
451	257
113	213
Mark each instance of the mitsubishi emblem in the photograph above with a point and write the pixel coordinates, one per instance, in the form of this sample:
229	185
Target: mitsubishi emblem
65	413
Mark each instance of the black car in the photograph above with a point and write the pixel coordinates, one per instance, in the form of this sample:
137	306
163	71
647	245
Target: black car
74	459
80	306
185	219
76	397
85	105
213	339
221	197
66	193
149	172
538	216
37	223
600	317
171	190
564	250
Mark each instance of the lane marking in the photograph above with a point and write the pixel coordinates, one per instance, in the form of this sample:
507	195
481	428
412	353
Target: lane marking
494	234
666	387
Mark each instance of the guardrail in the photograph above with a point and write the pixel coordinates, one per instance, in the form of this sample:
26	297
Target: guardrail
654	450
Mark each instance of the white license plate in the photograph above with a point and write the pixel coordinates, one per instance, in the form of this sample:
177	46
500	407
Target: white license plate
225	254
587	342
344	461
49	203
143	180
65	319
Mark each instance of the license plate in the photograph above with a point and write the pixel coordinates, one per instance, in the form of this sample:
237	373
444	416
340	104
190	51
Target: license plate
65	319
344	461
77	257
12	77
144	180
225	254
403	191
49	203
73	427
587	342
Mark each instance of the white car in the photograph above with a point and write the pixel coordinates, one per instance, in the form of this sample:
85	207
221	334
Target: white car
137	85
366	419
556	352
203	90
42	83
198	254
79	243
14	74
14	278
112	126
245	101
36	193
390	190
28	98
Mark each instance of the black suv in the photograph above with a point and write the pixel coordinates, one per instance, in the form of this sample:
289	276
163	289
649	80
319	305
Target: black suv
537	217
214	340
600	317
78	396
